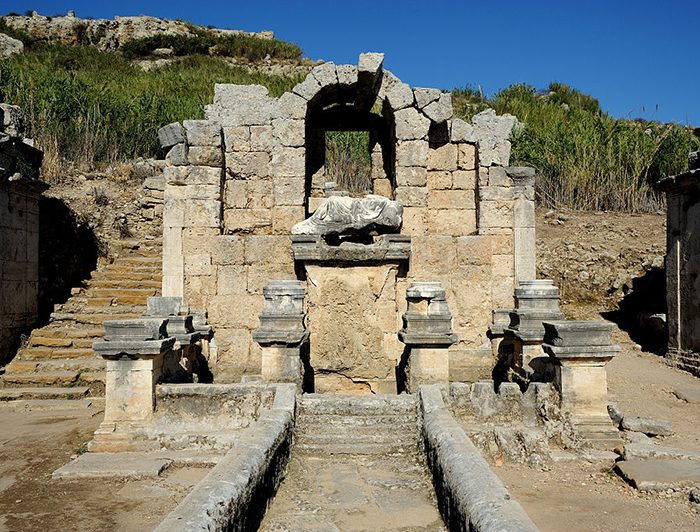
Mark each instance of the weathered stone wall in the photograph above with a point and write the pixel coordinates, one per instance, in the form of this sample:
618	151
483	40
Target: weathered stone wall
237	182
19	231
683	266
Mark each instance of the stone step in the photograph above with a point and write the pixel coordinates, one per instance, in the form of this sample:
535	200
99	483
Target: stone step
366	405
113	301
53	405
121	293
92	363
316	449
66	392
112	284
98	319
341	421
55	352
66	331
46	378
107	274
388	438
138	260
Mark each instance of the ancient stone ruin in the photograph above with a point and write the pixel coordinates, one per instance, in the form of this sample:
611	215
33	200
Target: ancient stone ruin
338	327
683	266
20	189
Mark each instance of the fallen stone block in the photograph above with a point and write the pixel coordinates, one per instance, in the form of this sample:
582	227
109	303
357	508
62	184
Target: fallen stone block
121	465
615	414
659	474
652	427
689	395
171	135
648	449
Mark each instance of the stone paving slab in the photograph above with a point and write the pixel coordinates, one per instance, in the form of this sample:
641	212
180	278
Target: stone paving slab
122	465
689	395
15	393
660	474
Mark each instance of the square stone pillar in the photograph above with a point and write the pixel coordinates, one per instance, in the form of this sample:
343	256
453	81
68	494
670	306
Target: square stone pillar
536	301
581	350
134	351
282	334
427	334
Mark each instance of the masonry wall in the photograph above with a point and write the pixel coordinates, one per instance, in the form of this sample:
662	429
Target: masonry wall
19	231
237	182
683	269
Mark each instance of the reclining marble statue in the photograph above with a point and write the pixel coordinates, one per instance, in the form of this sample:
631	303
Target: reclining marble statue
347	215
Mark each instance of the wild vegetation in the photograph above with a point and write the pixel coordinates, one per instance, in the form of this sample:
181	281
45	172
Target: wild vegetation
93	108
348	160
586	159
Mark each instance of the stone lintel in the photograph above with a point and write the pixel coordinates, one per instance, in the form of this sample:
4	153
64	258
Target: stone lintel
388	248
593	353
677	183
415	340
575	333
134	349
282	338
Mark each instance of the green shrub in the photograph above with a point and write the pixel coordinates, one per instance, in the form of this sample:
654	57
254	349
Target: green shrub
95	108
586	159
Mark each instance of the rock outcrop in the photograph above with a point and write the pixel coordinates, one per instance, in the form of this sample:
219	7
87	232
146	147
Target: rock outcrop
10	46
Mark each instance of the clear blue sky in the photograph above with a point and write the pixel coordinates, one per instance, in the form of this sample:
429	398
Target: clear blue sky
639	58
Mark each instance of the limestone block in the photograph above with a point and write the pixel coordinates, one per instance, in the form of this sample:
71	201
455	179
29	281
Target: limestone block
191	175
281	364
177	156
308	88
240	105
347	74
130	388
234	348
199	264
237	138
231	95
289	191
428	366
203	213
398	94
495	214
439	180
174	211
202	132
266	249
494	152
197	240
467	156
245	315
285	217
198	290
412	196
414	220
443	158
259	194
411	124
503	194
325	74
231	280
370	62
235	194
412	153
205	156
498	177
245	165
290	106
461	131
228	250
432	255
439	111
411	176
248	221
289	132
382	187
451	199
259	276
261	138
289	162
452	222
425	96
464	179
171	135
474	250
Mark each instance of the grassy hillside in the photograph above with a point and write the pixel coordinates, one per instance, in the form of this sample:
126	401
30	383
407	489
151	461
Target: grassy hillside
586	159
94	108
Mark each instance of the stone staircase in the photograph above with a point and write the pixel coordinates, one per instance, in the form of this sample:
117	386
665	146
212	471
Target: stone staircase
60	353
371	425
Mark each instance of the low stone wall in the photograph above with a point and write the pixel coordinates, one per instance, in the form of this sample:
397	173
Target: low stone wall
469	494
234	495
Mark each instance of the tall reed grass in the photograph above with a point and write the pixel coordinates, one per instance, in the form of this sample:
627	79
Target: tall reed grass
586	159
348	160
94	108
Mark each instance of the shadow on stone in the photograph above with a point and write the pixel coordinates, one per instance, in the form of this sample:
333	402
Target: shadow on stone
642	312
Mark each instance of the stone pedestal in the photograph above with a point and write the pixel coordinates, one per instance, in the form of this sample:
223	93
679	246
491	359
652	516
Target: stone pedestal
134	352
282	334
427	334
536	301
580	350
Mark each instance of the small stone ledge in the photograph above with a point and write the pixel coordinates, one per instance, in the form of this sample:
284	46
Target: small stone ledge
388	248
234	495
470	495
